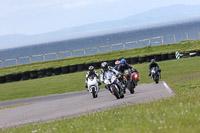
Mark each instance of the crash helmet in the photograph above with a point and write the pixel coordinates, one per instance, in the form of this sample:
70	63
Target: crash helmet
117	62
123	62
153	60
91	68
104	65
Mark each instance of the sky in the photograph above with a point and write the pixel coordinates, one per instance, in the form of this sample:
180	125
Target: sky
31	17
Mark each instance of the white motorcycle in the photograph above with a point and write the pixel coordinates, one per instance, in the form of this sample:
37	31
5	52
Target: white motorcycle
93	86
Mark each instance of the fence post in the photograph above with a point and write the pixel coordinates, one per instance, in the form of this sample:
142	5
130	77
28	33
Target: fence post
187	36
16	61
110	48
57	55
70	53
124	45
174	38
162	40
199	35
84	51
149	45
30	59
137	43
44	57
3	63
97	50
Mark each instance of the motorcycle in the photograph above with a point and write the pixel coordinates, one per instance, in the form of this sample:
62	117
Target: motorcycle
155	74
93	86
130	80
112	82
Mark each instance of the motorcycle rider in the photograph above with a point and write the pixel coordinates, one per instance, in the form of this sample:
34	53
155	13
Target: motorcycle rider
104	69
117	63
123	66
89	73
153	64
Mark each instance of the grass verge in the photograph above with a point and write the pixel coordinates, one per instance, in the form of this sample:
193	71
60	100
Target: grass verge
179	113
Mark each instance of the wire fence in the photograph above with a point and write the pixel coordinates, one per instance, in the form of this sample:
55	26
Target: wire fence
159	40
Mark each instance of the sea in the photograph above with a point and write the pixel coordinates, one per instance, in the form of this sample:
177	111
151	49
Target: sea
180	31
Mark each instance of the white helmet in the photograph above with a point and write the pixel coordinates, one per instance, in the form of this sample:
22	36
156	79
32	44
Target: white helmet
117	62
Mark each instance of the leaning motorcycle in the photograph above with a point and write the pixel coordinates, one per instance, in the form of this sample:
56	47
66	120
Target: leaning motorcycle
93	86
112	82
155	74
130	80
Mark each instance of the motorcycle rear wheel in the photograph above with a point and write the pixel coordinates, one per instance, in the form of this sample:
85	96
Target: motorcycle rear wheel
131	87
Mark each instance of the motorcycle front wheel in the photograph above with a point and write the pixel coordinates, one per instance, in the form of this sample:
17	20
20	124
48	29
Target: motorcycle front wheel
94	93
115	92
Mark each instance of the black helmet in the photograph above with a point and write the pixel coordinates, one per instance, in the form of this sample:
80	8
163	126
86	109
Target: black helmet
104	65
91	68
152	61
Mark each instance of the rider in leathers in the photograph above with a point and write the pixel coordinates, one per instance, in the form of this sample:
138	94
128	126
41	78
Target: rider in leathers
153	64
117	63
89	73
104	69
121	68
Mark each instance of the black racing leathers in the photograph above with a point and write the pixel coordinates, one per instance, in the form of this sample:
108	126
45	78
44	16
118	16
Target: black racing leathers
121	68
151	65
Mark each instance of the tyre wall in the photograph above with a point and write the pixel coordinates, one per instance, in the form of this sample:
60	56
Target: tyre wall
149	58
49	71
33	74
134	60
17	77
57	71
41	73
25	75
9	78
2	79
65	69
158	57
142	59
72	68
171	56
164	56
80	67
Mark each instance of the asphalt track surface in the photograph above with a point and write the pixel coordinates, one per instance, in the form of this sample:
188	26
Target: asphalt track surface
53	107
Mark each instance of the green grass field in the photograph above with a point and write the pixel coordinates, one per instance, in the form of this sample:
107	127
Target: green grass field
182	46
179	113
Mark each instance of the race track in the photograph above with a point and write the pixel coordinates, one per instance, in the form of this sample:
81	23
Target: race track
47	108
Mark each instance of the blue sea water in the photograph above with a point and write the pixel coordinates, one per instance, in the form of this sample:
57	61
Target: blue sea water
179	30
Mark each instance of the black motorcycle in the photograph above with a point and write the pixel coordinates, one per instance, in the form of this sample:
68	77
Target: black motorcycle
155	74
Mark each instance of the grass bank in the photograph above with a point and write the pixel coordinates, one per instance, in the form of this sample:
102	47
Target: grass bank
182	46
179	113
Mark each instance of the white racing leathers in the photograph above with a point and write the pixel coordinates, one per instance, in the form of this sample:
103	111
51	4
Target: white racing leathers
110	69
91	73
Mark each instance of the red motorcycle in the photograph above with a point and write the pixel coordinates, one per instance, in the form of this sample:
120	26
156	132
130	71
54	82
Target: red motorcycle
130	79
